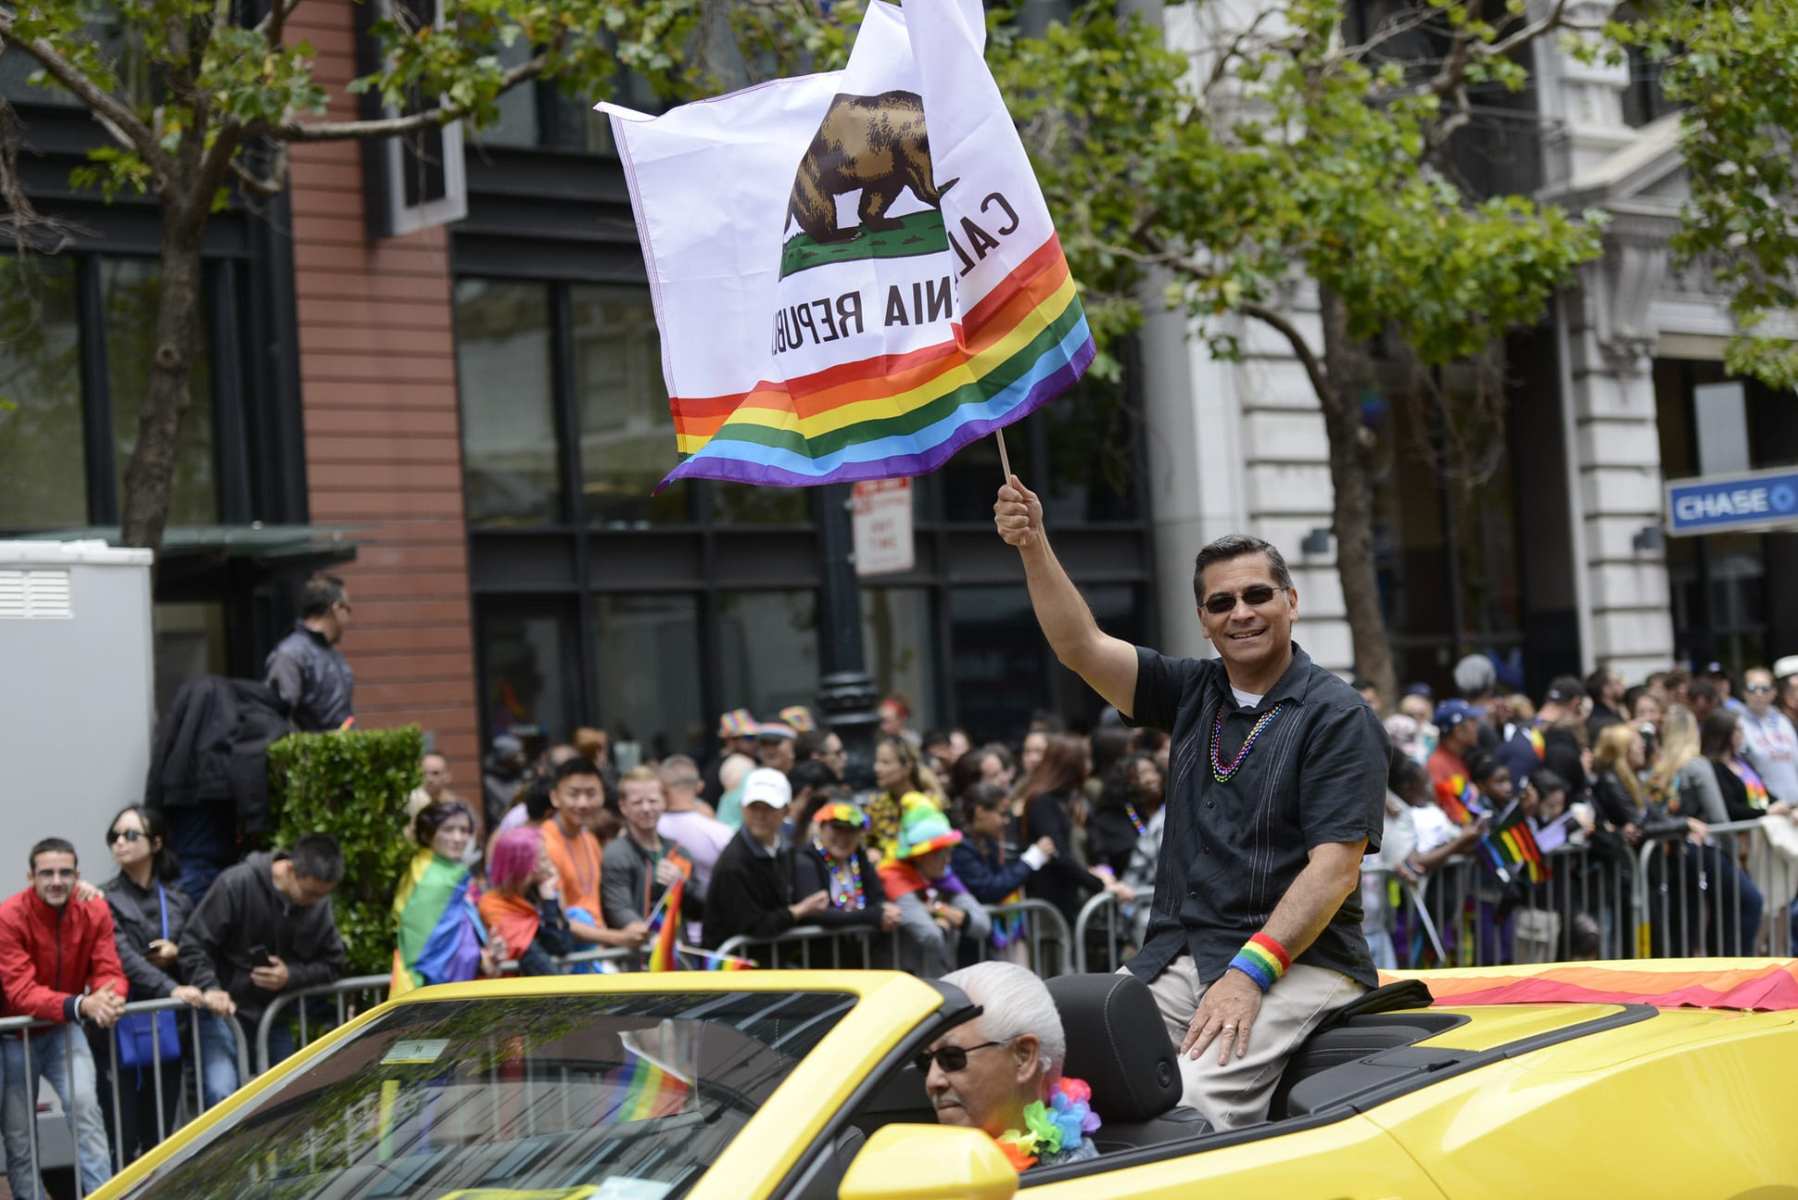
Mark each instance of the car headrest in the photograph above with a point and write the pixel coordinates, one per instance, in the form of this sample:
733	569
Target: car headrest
1118	1044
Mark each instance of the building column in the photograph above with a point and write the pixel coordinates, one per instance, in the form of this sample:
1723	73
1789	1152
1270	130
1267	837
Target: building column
1614	444
1239	447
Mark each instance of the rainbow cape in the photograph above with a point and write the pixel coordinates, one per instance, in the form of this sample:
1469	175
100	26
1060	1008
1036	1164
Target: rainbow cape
1742	983
832	316
440	934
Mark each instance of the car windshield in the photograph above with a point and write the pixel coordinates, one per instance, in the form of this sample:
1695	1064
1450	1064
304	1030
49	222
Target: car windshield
625	1095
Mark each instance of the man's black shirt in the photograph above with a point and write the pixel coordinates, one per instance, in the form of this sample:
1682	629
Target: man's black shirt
1317	774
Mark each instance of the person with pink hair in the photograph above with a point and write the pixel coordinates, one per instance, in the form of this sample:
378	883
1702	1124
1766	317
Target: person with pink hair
521	902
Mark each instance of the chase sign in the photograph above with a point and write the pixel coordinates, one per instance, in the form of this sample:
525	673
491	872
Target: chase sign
1757	500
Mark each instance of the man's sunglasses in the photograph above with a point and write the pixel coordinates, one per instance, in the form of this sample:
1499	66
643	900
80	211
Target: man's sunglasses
950	1058
1758	687
1225	602
130	835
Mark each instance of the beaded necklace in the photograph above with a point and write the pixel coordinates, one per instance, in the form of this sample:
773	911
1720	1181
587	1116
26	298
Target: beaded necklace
1135	820
1219	771
846	880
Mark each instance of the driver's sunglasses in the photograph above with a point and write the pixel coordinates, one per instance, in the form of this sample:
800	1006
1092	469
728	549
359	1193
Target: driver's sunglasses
1225	602
950	1058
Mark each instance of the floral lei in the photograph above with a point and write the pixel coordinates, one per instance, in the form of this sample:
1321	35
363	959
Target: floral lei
1061	1124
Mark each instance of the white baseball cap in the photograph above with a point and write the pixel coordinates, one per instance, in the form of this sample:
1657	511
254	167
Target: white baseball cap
1786	666
764	785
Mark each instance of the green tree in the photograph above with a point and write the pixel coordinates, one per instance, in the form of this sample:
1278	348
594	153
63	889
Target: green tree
1281	150
1733	69
223	91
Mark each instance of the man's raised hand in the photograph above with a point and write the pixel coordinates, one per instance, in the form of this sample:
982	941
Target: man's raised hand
1017	513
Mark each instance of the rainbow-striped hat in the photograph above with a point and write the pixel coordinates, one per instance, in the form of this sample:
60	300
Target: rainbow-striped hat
841	813
923	827
737	723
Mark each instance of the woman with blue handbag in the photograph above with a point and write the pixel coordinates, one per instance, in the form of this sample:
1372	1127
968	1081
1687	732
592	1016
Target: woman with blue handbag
148	914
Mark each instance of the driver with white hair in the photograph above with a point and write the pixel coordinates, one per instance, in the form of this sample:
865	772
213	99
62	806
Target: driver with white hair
1001	1072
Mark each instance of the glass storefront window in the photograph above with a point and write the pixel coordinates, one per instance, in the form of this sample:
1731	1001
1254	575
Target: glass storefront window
1091	474
627	434
767	650
742	504
996	656
130	288
898	638
508	415
190	642
43	484
528	674
646	673
970	480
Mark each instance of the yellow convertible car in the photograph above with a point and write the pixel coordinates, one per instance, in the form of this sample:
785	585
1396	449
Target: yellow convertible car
736	1086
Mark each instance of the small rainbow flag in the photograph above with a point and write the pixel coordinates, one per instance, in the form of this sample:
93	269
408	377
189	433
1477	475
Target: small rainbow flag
711	960
665	923
1457	797
1510	847
650	1092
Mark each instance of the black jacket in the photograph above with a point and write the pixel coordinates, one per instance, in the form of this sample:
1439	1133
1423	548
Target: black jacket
312	679
1063	881
243	910
136	922
749	894
1614	803
212	748
1735	794
811	875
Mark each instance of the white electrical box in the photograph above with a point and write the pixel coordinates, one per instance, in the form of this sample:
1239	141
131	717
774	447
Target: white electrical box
77	704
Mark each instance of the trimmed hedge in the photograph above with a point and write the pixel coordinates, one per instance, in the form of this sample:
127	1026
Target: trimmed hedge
352	786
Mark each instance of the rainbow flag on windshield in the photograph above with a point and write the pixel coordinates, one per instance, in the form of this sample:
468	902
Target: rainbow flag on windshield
866	296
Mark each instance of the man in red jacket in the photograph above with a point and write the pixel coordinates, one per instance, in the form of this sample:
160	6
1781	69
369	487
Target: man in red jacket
58	963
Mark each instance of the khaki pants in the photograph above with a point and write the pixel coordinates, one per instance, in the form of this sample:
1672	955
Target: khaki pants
1238	1093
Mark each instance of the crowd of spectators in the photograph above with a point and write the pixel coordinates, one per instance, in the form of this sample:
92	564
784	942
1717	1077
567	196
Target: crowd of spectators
1609	768
562	852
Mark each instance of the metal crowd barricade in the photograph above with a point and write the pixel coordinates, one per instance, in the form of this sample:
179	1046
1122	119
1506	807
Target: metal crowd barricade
338	993
1119	930
853	948
1044	935
376	988
166	1121
1729	894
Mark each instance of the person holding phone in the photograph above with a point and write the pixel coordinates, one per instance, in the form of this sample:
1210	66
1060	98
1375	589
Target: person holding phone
264	927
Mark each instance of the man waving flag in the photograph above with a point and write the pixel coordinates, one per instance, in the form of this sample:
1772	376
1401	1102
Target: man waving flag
854	273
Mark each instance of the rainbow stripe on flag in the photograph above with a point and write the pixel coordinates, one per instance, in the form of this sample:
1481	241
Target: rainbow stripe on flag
1510	848
1024	344
711	960
664	924
650	1092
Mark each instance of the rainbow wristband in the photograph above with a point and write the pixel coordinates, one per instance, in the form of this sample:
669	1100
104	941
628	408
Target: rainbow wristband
1263	960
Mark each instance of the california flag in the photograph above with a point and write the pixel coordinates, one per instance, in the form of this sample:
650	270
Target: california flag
854	273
